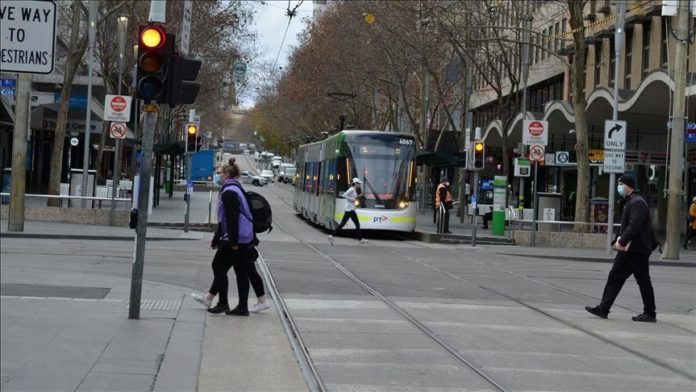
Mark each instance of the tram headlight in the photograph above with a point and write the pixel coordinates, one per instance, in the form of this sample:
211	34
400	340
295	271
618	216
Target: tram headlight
403	204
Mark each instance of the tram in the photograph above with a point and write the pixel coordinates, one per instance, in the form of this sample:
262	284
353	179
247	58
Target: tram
386	164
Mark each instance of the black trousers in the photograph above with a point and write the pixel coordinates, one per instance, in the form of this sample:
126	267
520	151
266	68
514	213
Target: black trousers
626	264
352	215
245	272
690	233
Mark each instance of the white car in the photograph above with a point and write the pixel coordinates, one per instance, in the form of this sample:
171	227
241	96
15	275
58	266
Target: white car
248	178
285	172
268	174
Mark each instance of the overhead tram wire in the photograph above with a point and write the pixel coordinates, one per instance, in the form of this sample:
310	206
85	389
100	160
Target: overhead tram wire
291	13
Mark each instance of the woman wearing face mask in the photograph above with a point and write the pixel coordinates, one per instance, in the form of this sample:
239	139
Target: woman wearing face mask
634	247
232	240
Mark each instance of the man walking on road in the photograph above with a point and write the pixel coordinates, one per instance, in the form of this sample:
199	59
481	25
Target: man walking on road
634	246
350	195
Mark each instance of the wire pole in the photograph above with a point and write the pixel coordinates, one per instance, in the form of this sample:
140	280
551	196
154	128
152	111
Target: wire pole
122	27
676	159
92	32
15	220
619	39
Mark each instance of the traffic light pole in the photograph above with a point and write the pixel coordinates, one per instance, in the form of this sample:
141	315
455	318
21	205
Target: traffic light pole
143	196
475	207
188	193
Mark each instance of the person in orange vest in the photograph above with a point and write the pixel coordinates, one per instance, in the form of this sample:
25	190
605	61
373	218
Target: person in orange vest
692	223
443	197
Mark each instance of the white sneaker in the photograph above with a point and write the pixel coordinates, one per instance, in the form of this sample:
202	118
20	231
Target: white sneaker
363	241
201	299
260	307
331	239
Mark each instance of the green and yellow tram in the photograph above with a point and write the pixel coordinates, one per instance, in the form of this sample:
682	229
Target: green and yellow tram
384	161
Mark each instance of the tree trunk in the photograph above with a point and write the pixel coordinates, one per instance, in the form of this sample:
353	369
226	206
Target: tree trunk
71	62
582	201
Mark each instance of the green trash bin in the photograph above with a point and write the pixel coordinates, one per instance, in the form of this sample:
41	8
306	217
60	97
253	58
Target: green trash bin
168	186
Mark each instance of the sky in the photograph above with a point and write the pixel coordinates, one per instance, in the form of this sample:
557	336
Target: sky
271	21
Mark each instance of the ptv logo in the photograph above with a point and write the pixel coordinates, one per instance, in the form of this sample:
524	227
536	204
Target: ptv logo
379	219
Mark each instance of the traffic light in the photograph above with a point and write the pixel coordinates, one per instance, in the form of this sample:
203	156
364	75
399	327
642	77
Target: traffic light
479	155
182	87
191	136
155	47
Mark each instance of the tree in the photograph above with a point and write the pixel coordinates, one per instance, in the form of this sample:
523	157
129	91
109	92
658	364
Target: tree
75	48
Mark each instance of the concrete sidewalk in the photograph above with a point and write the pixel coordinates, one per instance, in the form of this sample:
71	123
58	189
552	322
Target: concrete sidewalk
64	322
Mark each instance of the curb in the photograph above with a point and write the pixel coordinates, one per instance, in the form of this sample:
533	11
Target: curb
87	237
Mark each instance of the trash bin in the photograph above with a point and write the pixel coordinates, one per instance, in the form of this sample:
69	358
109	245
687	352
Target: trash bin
6	187
599	213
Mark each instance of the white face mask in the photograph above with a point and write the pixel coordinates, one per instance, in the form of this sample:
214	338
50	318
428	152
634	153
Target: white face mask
621	190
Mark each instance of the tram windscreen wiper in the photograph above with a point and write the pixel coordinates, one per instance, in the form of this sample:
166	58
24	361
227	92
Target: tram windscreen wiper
373	190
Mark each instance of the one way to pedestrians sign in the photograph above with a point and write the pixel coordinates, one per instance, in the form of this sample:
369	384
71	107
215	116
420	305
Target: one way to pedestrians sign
615	135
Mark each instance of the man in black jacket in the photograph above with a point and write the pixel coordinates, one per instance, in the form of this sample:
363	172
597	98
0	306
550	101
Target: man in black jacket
634	247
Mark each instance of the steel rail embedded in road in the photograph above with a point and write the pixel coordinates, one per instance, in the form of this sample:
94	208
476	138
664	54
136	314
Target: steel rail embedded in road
403	313
575	326
309	371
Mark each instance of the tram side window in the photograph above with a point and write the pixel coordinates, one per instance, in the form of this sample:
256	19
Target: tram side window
341	177
317	173
307	177
331	176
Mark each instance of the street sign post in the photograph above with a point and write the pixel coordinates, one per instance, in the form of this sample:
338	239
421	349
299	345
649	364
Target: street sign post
535	132
28	36
117	108
185	35
118	130
614	161
615	135
562	157
536	153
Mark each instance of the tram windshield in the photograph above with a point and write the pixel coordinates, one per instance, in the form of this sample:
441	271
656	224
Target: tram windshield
386	164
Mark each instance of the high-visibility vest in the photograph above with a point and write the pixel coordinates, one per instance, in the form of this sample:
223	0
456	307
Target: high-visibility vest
448	196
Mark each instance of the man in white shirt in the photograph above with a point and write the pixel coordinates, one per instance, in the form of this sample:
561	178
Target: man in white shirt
350	195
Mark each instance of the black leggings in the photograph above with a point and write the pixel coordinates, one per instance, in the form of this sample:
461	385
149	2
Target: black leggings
224	259
352	215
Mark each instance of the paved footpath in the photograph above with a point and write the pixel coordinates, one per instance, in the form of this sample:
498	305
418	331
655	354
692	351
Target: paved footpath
64	318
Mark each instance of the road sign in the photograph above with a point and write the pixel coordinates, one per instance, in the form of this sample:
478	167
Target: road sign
28	36
117	108
74	141
8	87
536	153
614	161
562	157
240	68
185	35
118	130
615	135
535	132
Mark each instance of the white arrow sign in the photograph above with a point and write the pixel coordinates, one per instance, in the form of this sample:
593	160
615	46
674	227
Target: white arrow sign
615	135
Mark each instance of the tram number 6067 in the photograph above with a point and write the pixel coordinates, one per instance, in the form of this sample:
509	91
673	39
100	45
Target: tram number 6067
408	142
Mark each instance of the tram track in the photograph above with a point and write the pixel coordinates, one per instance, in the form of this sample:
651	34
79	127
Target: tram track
452	350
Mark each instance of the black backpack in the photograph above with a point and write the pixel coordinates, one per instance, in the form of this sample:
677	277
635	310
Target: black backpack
261	214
